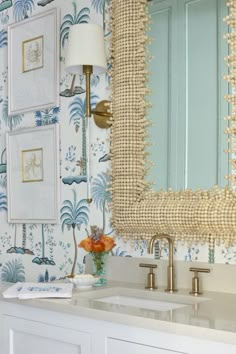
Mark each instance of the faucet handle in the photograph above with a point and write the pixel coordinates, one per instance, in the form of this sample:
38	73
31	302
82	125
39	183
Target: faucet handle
147	265
195	280
151	275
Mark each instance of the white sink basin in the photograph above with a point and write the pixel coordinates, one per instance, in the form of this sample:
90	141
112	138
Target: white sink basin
141	303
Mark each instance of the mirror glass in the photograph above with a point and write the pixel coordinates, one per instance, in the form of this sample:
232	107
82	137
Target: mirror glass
187	97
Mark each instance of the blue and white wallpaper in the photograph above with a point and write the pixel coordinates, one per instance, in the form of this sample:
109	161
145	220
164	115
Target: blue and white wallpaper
45	252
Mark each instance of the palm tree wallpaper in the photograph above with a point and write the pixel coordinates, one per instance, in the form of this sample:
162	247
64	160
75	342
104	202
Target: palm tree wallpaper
74	214
13	271
45	252
23	248
98	5
3	38
3	202
77	16
10	121
22	9
43	259
78	119
101	196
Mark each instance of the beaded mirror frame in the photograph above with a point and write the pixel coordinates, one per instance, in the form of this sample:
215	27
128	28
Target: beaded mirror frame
137	211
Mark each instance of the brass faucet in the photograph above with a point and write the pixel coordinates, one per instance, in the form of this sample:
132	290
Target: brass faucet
170	271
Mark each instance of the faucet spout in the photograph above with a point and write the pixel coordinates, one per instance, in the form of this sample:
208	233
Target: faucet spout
170	272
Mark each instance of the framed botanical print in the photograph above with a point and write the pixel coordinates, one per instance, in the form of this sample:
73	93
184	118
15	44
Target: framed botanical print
33	175
33	58
32	54
32	165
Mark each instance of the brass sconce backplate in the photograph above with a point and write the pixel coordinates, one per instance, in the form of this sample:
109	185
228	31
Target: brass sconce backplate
102	115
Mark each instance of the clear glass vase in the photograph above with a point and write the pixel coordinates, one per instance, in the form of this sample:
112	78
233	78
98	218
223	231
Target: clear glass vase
99	267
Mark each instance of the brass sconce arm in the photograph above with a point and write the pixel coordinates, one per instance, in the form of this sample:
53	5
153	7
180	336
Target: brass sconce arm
87	71
101	114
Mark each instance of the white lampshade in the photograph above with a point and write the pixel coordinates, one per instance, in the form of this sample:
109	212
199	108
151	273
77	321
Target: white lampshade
86	46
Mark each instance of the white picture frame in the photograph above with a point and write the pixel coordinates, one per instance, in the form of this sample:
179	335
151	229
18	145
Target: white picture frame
33	63
33	175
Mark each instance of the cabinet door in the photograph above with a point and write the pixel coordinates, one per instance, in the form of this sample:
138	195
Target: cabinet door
115	346
29	337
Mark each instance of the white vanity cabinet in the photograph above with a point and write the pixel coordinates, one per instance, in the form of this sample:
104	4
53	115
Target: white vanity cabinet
22	336
119	346
35	330
136	341
122	347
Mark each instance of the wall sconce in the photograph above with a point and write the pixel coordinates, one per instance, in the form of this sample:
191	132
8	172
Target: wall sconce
86	55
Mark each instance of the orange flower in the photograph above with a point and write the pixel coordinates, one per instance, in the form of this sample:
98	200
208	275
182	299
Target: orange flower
97	247
108	243
97	242
86	244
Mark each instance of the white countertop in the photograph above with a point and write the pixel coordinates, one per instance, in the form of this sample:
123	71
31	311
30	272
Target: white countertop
211	316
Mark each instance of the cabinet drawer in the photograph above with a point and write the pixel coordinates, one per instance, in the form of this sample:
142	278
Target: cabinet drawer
116	346
23	336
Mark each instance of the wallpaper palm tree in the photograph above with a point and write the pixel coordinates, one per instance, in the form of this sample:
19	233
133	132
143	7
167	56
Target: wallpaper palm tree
3	39
100	194
10	121
23	249
21	9
3	165
13	271
78	115
73	214
24	236
99	5
43	259
69	20
3	202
